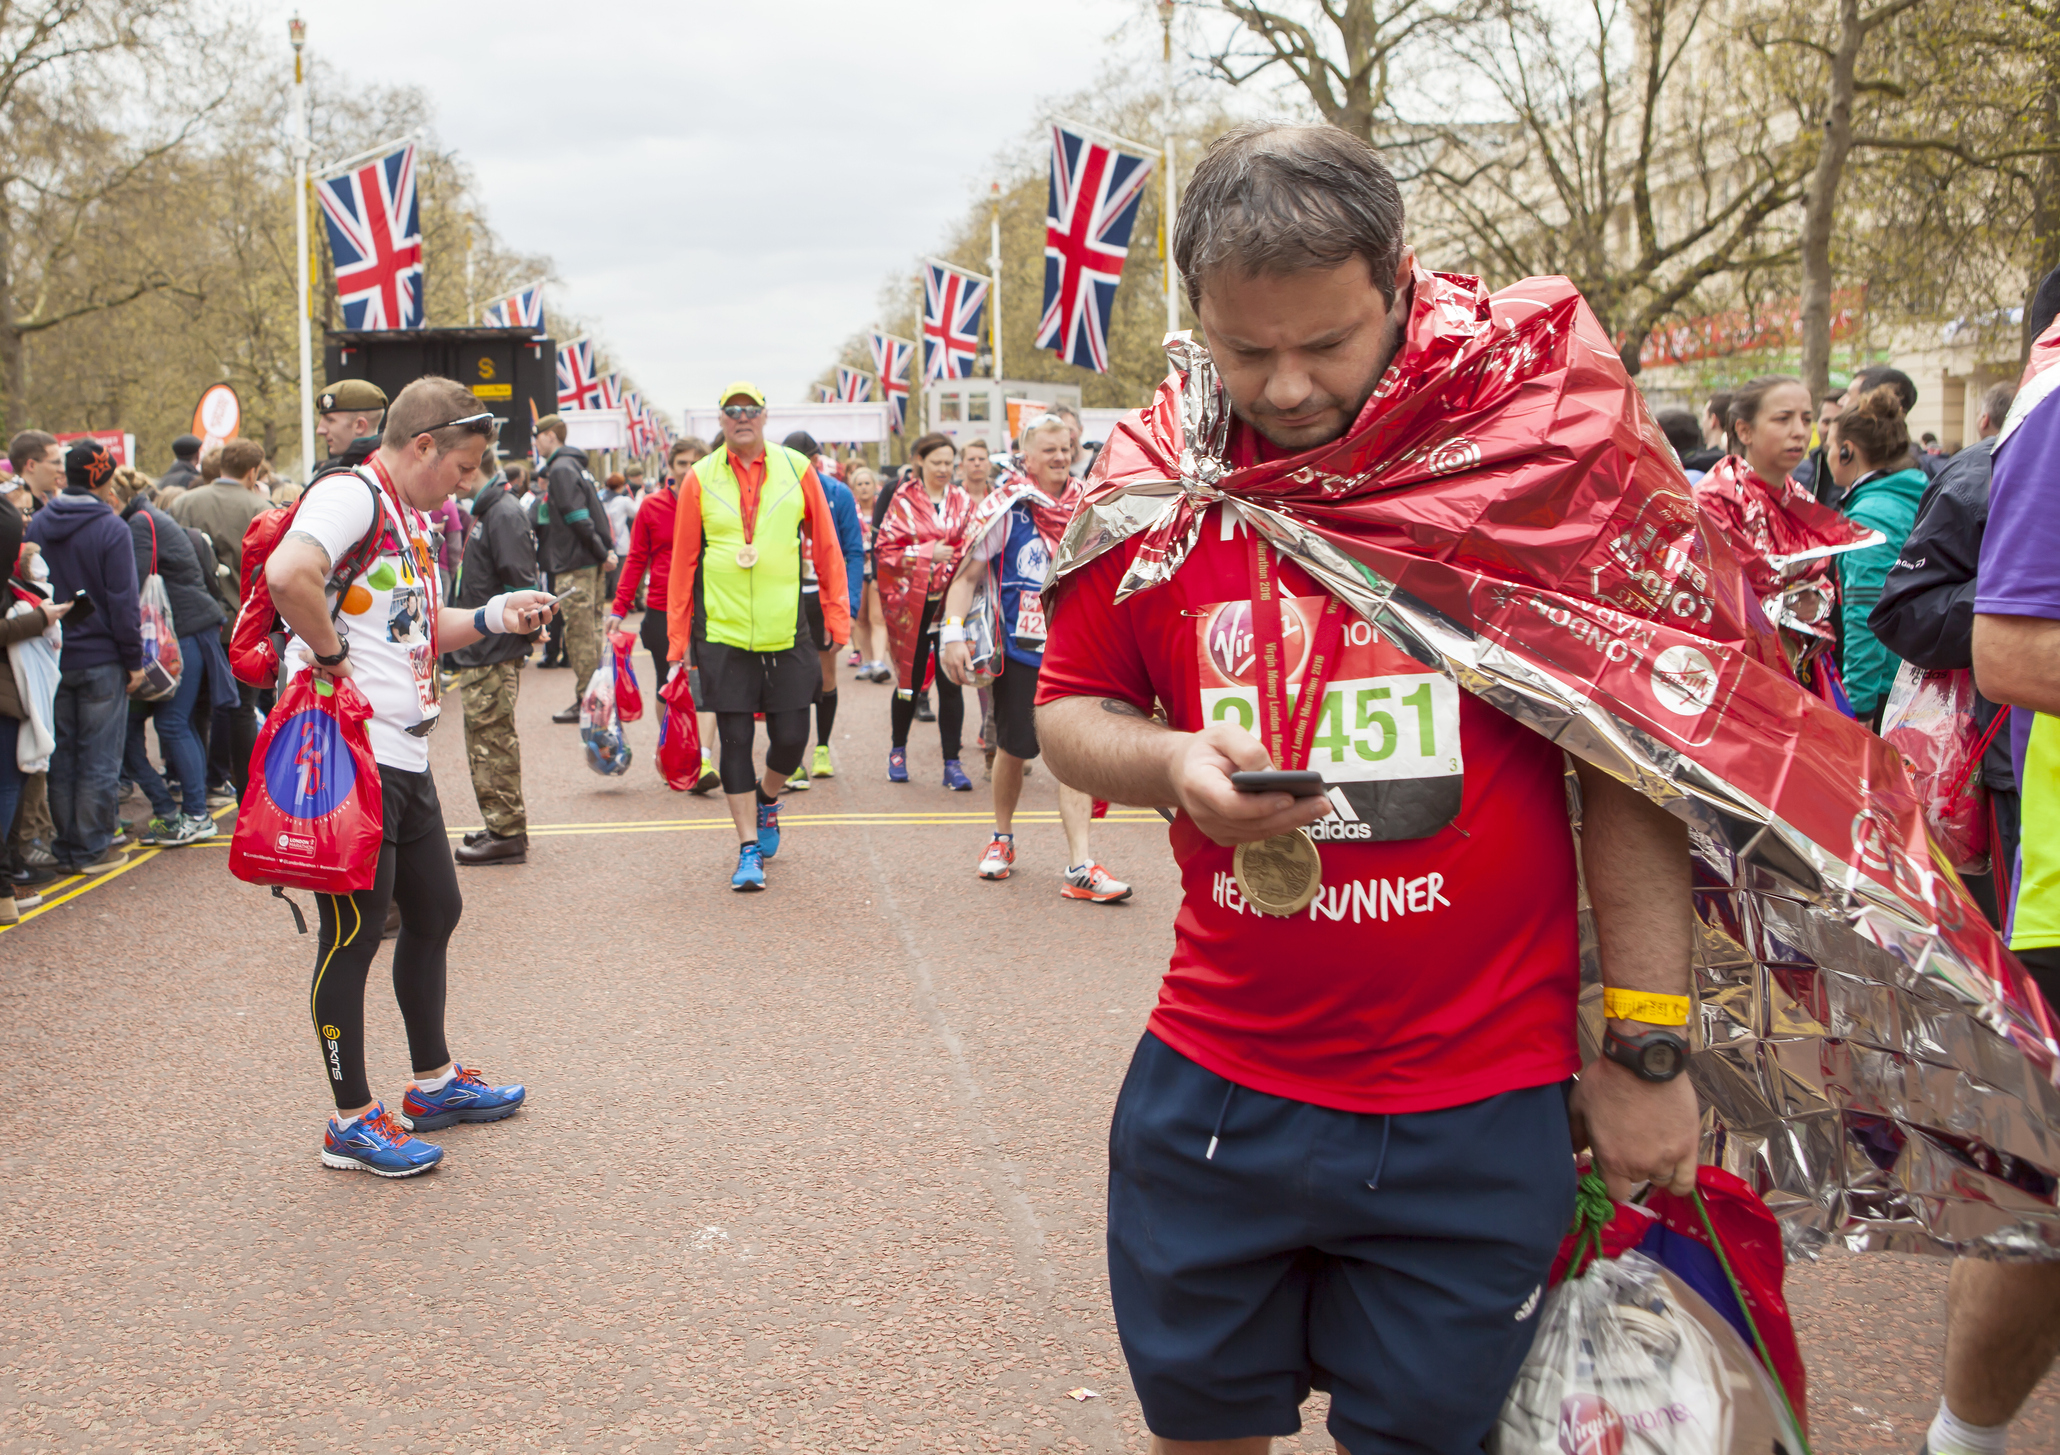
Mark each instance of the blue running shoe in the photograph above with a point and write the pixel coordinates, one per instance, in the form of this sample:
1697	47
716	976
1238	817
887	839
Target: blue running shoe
376	1143
897	765
955	777
750	873
464	1098
768	829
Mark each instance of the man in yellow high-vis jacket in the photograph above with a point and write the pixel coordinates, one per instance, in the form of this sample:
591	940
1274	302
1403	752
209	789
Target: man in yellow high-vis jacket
733	600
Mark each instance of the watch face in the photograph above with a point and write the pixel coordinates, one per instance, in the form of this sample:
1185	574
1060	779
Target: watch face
1662	1060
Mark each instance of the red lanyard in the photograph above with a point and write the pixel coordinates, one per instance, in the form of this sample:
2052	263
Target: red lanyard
424	571
1287	739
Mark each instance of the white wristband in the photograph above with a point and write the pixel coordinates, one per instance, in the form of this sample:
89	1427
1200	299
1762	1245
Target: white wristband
946	635
494	615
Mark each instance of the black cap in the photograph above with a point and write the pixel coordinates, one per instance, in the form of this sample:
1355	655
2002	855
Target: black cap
1876	375
186	447
804	442
87	465
2045	304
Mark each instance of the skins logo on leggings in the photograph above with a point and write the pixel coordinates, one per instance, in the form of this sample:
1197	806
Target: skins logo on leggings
332	1036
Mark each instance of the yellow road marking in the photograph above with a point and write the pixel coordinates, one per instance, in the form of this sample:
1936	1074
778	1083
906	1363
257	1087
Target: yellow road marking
80	883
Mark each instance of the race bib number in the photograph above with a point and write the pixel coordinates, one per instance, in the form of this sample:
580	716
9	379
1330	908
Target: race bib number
1387	732
1030	630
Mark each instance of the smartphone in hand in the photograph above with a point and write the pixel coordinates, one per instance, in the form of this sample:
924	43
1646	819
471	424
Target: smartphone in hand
1302	784
82	607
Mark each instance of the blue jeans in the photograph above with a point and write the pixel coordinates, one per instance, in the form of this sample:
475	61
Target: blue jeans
175	736
10	777
86	767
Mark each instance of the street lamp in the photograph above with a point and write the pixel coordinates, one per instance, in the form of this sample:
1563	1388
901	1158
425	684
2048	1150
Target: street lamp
297	32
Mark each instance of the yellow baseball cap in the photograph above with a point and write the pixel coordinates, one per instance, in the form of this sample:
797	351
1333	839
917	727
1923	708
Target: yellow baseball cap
744	387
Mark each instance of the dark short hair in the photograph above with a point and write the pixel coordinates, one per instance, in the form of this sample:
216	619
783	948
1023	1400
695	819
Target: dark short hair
1719	408
930	442
30	444
802	442
1681	429
1872	378
1997	401
1273	197
240	457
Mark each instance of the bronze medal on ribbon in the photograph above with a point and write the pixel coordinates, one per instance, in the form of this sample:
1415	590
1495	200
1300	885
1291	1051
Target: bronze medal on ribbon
747	556
1280	875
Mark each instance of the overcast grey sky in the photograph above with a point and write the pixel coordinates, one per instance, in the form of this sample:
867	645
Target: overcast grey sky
725	187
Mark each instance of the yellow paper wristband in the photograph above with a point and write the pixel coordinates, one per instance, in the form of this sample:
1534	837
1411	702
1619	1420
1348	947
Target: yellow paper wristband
1646	1006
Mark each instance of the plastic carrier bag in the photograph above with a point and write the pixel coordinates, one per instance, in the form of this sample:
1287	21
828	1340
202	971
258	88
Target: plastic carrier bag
161	664
314	814
1930	720
679	734
600	729
1630	1360
629	697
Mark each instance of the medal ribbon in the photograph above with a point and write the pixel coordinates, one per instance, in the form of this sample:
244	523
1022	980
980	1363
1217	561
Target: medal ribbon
418	553
1287	737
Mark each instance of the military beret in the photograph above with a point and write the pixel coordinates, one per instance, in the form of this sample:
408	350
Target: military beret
350	396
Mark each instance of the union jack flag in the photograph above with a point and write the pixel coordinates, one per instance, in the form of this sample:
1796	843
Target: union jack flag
578	388
524	308
1090	209
611	392
375	240
891	359
952	302
824	394
854	386
639	426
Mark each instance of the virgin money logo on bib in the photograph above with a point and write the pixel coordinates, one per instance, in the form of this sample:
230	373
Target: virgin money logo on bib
308	769
1231	647
1588	1426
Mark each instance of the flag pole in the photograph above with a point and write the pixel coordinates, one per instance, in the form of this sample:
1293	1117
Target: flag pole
1172	286
297	31
994	266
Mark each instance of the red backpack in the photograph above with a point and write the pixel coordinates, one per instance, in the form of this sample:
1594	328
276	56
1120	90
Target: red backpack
258	644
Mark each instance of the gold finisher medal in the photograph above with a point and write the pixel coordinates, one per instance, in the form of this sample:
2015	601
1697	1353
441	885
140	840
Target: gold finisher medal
1280	875
747	556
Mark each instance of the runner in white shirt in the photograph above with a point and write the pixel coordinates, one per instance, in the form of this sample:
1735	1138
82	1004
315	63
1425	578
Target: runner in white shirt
384	633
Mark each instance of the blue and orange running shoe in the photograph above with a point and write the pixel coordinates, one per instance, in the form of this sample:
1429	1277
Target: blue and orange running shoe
768	829
464	1098
750	875
376	1143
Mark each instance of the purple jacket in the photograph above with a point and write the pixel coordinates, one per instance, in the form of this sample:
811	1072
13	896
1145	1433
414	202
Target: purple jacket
88	548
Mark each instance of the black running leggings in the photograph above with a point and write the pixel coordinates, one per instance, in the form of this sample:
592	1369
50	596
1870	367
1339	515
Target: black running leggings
951	698
421	878
786	735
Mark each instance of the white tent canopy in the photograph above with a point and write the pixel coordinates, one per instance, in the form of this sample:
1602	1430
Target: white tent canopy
843	424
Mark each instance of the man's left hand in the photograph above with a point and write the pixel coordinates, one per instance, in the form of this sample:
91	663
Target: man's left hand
1641	1131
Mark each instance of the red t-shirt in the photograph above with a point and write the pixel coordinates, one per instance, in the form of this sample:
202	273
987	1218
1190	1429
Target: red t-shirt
1440	963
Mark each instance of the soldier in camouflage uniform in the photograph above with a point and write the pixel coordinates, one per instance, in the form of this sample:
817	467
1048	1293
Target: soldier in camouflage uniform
576	544
500	555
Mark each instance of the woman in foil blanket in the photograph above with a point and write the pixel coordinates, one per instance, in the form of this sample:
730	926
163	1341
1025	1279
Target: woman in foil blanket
915	554
1784	539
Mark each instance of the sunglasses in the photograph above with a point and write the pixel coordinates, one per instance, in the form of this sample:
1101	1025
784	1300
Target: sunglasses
743	411
471	422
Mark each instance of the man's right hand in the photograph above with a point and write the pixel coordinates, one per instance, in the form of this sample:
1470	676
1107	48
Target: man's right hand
57	610
957	658
612	625
1200	773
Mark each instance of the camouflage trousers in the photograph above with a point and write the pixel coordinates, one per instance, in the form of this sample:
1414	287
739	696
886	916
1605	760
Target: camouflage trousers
584	611
492	751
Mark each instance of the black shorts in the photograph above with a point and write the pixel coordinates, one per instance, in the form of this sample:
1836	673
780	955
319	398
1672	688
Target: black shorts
1015	720
409	808
738	680
812	613
1396	1261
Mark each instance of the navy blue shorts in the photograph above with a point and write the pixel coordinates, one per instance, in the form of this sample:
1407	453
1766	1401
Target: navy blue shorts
1396	1261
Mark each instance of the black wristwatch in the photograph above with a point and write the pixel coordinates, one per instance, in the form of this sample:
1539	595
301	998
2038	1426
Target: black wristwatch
1654	1056
342	651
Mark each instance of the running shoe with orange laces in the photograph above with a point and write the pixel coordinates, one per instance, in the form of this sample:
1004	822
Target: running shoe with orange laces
376	1143
999	858
1092	882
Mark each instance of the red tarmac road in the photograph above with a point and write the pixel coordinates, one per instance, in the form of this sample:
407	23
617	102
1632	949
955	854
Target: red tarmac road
814	1170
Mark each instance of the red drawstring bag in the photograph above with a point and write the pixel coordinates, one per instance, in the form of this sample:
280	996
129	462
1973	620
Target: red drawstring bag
629	698
313	816
679	735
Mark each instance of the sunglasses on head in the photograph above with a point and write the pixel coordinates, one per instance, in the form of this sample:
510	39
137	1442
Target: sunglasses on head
483	423
743	411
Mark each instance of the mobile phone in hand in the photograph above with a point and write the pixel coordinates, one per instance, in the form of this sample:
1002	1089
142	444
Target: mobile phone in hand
1302	784
82	607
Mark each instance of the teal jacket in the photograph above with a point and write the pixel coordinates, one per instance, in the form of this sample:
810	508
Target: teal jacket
1887	503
